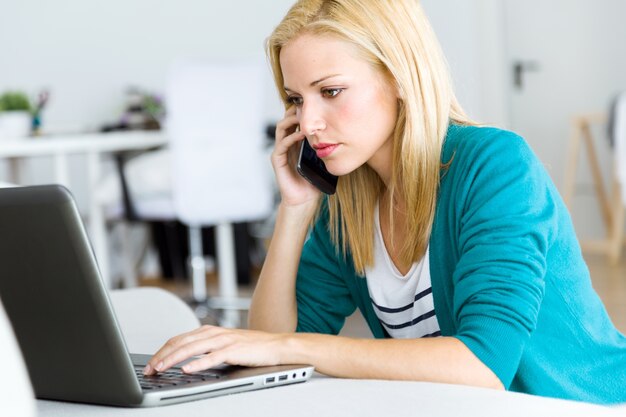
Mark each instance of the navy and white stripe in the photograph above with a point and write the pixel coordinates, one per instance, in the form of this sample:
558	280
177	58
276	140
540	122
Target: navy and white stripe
403	303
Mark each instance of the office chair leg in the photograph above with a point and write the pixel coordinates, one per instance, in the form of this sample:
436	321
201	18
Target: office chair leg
129	273
227	265
227	274
198	265
227	301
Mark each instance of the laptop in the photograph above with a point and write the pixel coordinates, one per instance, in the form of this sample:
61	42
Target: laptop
64	323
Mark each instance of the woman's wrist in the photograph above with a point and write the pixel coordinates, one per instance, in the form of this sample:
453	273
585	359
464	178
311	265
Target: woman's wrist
293	349
298	215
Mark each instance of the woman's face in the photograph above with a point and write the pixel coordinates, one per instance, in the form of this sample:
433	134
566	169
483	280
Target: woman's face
345	107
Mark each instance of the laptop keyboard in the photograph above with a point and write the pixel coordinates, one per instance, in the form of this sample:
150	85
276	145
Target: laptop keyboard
171	378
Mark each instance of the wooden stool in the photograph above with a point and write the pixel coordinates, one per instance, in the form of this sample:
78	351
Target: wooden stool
611	206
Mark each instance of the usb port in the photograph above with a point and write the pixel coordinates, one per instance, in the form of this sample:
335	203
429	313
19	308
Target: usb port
270	380
282	378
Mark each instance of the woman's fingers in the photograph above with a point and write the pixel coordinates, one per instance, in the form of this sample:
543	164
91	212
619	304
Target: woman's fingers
294	189
246	348
281	150
232	346
287	125
156	363
194	348
205	362
286	131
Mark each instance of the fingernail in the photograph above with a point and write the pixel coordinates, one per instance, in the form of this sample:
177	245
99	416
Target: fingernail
147	369
187	368
159	366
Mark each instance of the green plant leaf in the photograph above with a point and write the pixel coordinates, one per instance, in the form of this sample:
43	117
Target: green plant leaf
14	101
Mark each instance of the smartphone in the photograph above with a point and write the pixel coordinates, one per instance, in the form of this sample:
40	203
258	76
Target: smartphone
313	169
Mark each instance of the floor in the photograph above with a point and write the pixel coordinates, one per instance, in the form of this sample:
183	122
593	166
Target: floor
609	281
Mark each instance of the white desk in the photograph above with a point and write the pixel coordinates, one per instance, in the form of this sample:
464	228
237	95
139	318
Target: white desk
92	145
328	397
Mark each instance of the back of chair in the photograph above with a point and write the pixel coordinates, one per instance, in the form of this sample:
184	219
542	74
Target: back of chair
16	394
215	125
148	317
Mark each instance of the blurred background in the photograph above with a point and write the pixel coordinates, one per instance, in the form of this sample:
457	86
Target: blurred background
97	77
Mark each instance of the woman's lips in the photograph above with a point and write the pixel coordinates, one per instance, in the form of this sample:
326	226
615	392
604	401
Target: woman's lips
323	150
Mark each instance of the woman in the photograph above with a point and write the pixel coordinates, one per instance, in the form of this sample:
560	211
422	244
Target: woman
450	238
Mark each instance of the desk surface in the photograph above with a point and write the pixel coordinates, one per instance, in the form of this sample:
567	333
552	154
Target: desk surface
323	396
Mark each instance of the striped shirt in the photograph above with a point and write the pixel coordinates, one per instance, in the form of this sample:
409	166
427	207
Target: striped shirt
403	303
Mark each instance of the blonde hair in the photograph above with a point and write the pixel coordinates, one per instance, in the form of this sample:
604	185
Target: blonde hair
396	38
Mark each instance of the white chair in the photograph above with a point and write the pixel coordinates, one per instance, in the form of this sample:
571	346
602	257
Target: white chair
16	393
219	168
220	176
148	317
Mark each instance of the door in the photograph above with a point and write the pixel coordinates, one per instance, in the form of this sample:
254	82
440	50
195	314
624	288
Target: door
564	57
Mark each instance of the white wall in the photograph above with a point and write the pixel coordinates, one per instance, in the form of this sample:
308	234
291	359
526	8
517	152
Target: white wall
88	52
470	34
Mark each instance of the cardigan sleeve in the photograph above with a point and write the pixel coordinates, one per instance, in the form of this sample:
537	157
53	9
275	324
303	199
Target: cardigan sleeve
323	299
506	222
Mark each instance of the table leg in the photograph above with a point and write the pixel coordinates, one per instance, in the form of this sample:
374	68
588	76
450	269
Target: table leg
97	226
61	175
14	170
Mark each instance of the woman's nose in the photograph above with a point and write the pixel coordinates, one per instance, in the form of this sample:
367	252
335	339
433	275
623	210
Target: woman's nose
311	119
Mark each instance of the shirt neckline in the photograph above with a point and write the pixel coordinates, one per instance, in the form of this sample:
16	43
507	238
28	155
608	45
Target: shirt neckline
381	242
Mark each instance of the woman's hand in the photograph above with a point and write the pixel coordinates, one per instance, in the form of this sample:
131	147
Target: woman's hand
229	346
437	359
294	189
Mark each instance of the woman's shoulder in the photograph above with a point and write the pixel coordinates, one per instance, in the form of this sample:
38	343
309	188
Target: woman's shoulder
476	145
467	139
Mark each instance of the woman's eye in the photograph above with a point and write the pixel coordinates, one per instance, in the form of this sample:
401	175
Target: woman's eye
331	92
296	100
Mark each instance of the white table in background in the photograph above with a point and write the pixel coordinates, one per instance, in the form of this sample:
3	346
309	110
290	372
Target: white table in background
93	145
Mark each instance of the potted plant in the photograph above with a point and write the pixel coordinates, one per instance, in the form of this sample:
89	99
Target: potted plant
15	115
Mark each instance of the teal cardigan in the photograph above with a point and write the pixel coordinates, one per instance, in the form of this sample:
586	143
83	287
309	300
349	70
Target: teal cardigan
507	274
